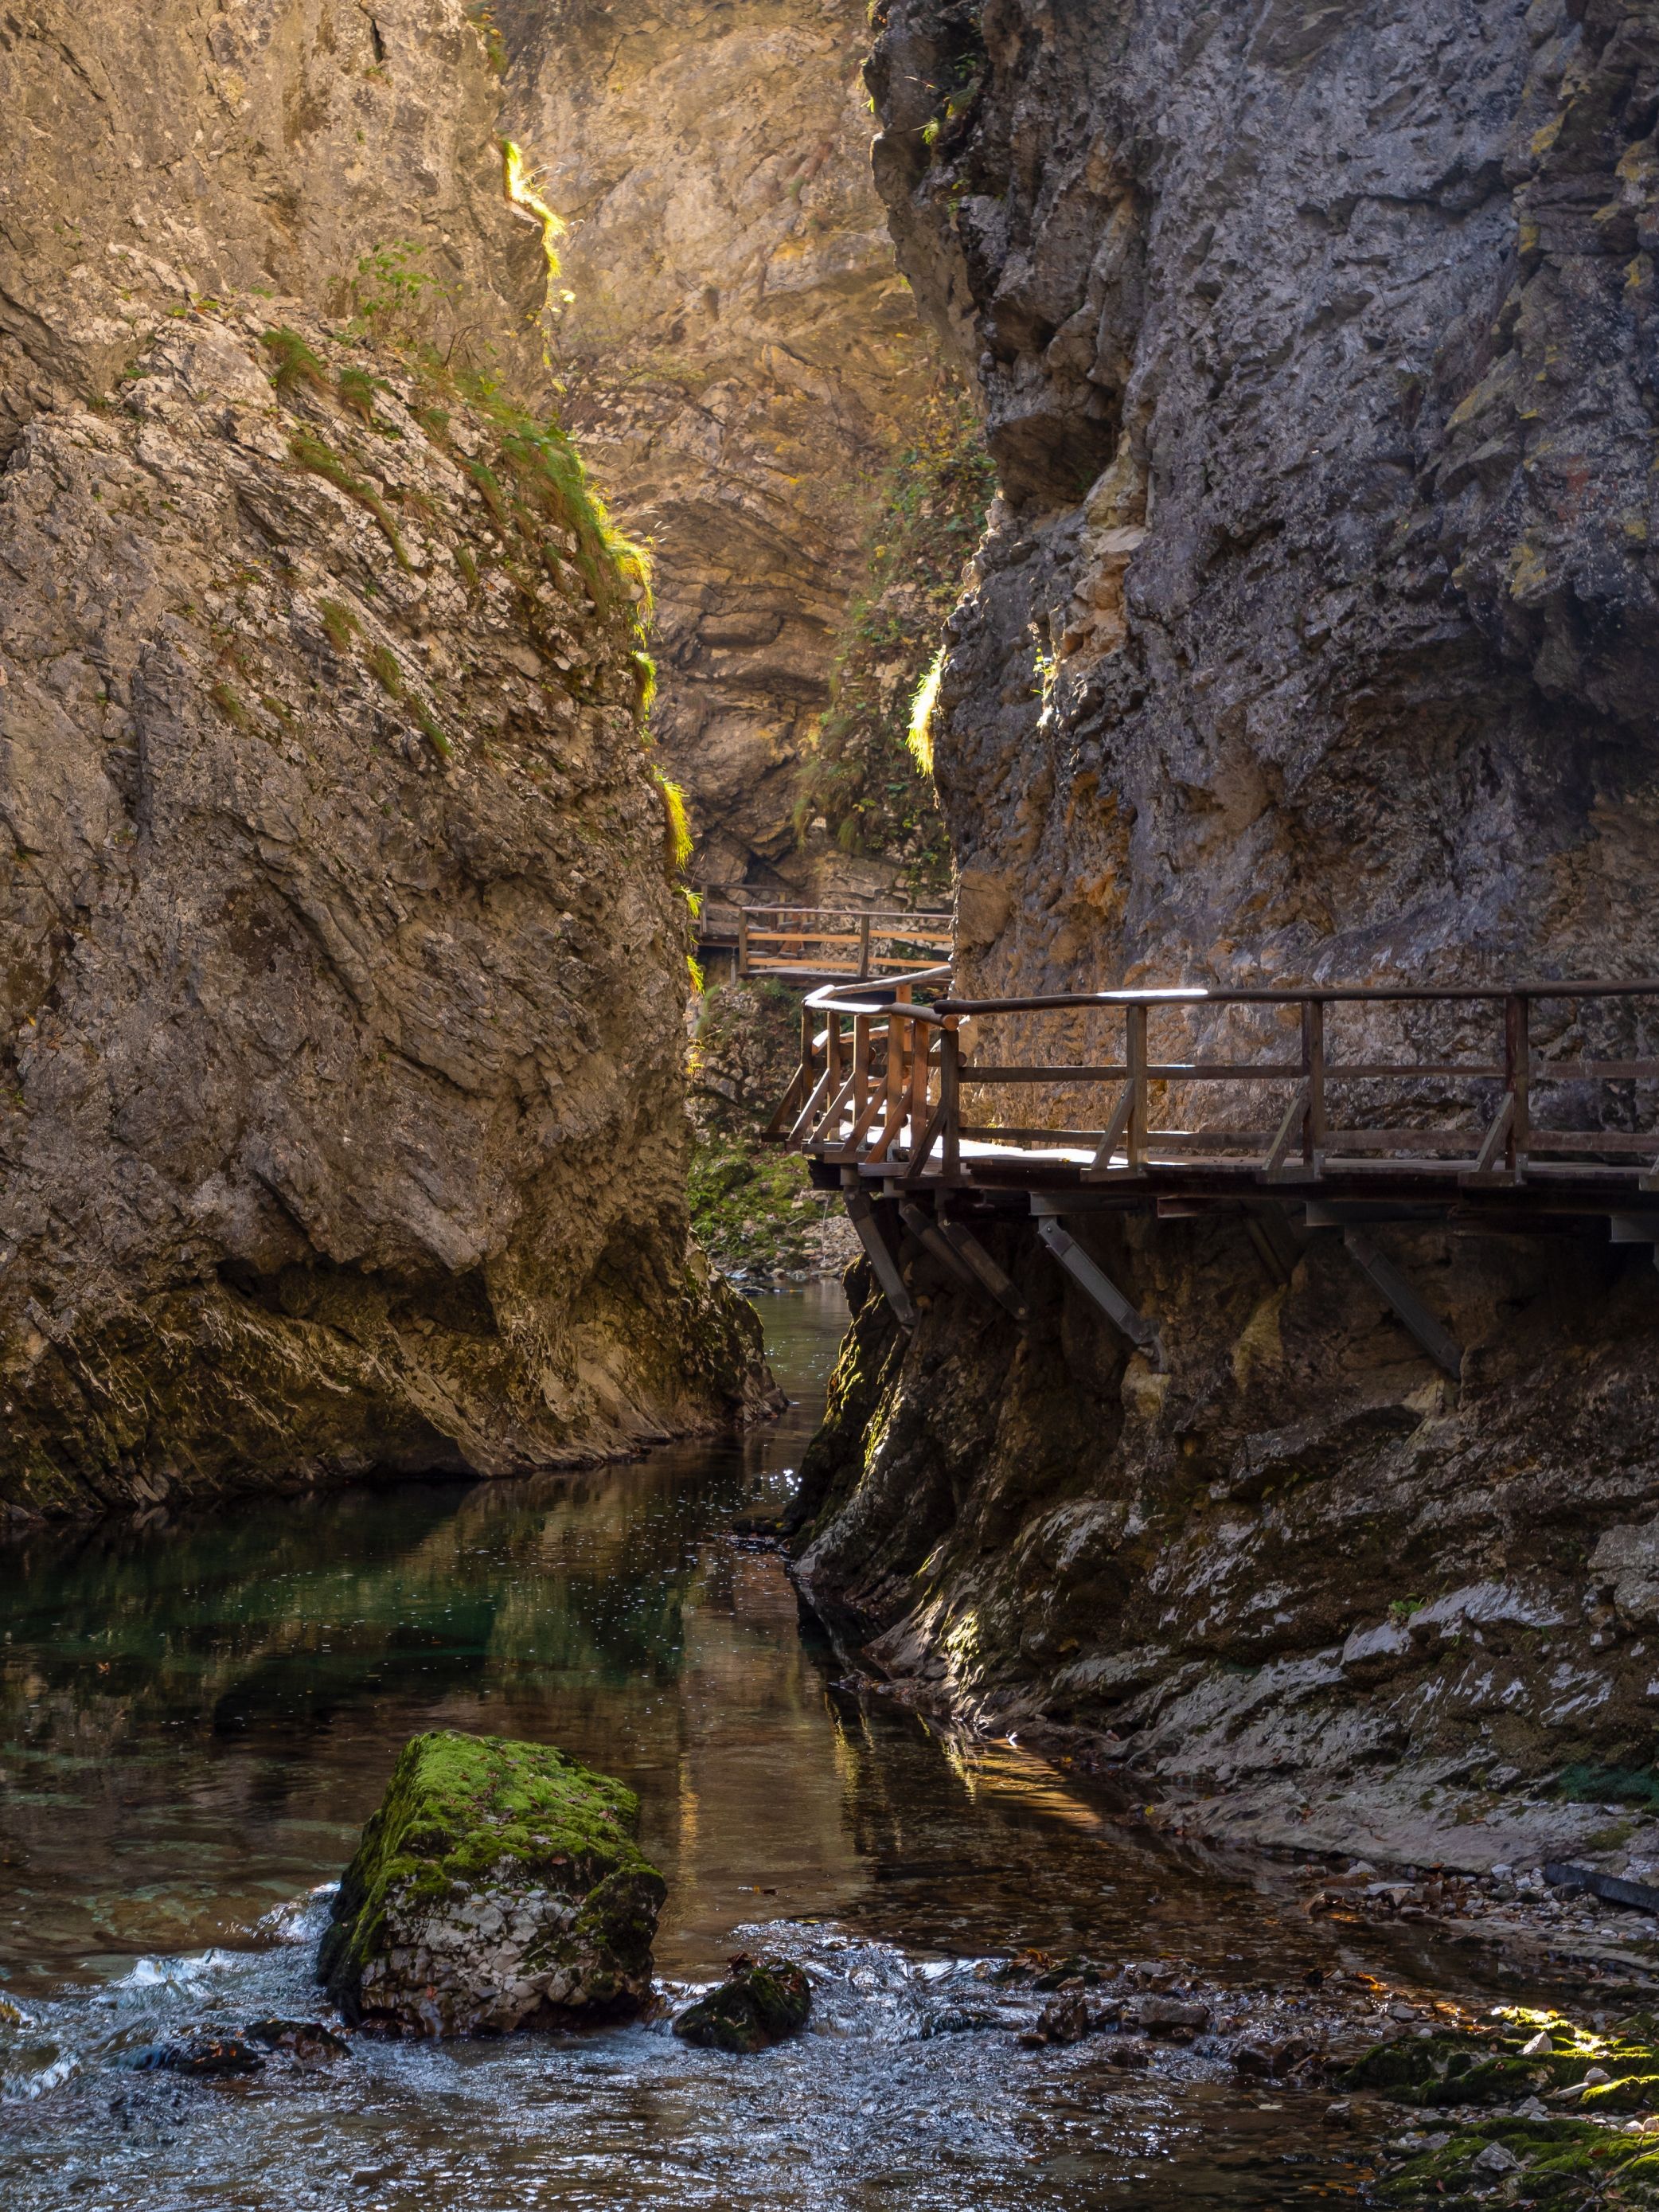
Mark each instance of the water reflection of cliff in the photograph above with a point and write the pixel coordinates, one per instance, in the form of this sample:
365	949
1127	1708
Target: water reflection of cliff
198	1715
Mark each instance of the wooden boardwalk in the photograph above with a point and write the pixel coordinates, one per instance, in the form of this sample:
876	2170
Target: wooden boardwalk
822	943
1529	1108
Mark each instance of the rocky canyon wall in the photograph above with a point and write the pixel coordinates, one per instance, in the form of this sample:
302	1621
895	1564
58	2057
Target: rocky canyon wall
341	958
746	364
1314	639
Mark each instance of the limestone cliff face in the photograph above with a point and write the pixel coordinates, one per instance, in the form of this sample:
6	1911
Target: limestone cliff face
746	364
342	962
1313	640
195	147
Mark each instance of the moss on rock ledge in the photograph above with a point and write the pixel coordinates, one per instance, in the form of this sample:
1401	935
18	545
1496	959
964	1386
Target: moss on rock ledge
499	1886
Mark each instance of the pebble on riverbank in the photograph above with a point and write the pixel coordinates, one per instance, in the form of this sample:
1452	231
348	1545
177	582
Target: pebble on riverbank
761	2002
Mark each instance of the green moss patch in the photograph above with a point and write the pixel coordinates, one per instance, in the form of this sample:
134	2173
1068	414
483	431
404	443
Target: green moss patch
1560	2165
1496	2067
744	1206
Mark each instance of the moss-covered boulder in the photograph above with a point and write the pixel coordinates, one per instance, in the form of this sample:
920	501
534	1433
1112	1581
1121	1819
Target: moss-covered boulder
499	1886
763	2001
1556	2165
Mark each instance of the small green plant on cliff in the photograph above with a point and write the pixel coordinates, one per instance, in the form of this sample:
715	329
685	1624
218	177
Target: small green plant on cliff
868	775
310	453
482	20
339	623
432	730
676	839
232	706
296	364
356	390
394	294
387	670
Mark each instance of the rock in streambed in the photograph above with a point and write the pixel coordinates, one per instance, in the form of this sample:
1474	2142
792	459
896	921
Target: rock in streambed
499	1886
761	2002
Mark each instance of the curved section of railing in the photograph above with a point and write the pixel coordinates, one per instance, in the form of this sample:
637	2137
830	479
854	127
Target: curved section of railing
1488	1084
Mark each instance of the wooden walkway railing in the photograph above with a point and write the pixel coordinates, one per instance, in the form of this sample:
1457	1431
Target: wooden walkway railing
1494	1108
823	941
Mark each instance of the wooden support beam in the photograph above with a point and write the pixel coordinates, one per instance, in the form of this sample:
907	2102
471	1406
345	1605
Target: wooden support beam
1272	1264
1409	1308
927	1235
1101	1288
968	1247
862	1213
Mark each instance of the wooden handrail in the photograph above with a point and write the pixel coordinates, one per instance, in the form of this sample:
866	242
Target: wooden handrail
896	1096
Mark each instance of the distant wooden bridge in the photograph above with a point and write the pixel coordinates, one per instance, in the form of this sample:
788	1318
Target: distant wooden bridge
1527	1107
822	942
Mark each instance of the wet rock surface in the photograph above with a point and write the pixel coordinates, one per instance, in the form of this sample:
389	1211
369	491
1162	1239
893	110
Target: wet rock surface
498	1887
761	2002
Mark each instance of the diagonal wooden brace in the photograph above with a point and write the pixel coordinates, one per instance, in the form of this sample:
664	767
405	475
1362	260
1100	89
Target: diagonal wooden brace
968	1247
1099	1285
1273	1168
1101	1165
1484	1170
862	1215
1409	1308
931	1239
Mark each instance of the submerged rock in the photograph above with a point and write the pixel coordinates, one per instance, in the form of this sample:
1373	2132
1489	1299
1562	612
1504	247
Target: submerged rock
207	2057
306	2040
499	1886
763	2001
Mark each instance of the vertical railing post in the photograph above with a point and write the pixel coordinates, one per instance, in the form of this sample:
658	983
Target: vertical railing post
1517	1070
809	1056
863	948
1134	1025
860	1065
950	1092
898	1071
832	1052
1313	1072
743	940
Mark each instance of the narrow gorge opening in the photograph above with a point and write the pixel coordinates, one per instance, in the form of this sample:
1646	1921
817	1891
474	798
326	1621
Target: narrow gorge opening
829	1122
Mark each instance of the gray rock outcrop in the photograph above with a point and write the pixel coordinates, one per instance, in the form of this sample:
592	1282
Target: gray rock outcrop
1313	640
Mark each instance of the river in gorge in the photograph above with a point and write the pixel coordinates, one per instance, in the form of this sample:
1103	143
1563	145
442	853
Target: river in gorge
200	1713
